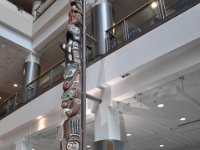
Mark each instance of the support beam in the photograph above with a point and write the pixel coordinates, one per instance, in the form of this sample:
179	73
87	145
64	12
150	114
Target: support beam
93	98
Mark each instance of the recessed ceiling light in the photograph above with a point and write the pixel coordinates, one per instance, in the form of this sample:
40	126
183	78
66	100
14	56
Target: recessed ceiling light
0	97
160	105
182	119
33	149
88	146
128	134
162	145
154	5
39	117
15	85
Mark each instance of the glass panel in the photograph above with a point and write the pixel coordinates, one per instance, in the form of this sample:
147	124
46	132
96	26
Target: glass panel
90	44
134	24
172	6
3	110
51	78
143	19
89	54
115	36
44	83
57	74
8	106
38	86
45	139
11	104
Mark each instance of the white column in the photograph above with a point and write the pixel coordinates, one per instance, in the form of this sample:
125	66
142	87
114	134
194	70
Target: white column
21	145
36	4
107	122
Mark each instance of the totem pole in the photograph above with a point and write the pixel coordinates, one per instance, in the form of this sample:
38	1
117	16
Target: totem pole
71	98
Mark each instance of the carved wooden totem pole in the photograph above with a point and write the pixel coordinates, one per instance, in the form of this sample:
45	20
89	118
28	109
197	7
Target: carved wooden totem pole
71	98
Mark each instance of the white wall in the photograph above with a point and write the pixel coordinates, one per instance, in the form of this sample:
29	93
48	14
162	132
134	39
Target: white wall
18	20
40	106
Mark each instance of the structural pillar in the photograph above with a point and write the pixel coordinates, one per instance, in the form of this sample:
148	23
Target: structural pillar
36	4
102	20
31	71
107	125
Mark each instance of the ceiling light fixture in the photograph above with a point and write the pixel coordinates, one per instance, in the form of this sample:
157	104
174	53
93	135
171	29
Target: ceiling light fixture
39	117
182	119
33	149
154	5
162	145
128	134
0	97
15	85
160	105
88	146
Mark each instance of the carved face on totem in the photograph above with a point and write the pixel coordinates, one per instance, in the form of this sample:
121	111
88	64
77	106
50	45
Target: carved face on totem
73	145
75	14
71	106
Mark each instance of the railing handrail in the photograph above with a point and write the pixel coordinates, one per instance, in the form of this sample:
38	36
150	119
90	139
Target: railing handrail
7	99
45	72
52	67
131	14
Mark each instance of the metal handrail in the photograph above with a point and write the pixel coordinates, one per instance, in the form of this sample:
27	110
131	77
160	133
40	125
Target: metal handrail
115	40
131	14
7	99
48	70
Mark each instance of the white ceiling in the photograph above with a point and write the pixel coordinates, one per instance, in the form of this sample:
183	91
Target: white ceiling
11	68
151	126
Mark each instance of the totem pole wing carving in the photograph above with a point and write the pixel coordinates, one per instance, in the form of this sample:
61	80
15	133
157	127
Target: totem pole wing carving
71	97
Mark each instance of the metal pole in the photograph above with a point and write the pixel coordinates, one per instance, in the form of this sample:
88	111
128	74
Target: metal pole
94	40
84	78
161	9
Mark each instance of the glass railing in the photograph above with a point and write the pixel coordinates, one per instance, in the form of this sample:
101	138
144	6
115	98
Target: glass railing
142	19
41	84
50	78
38	86
9	105
45	81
